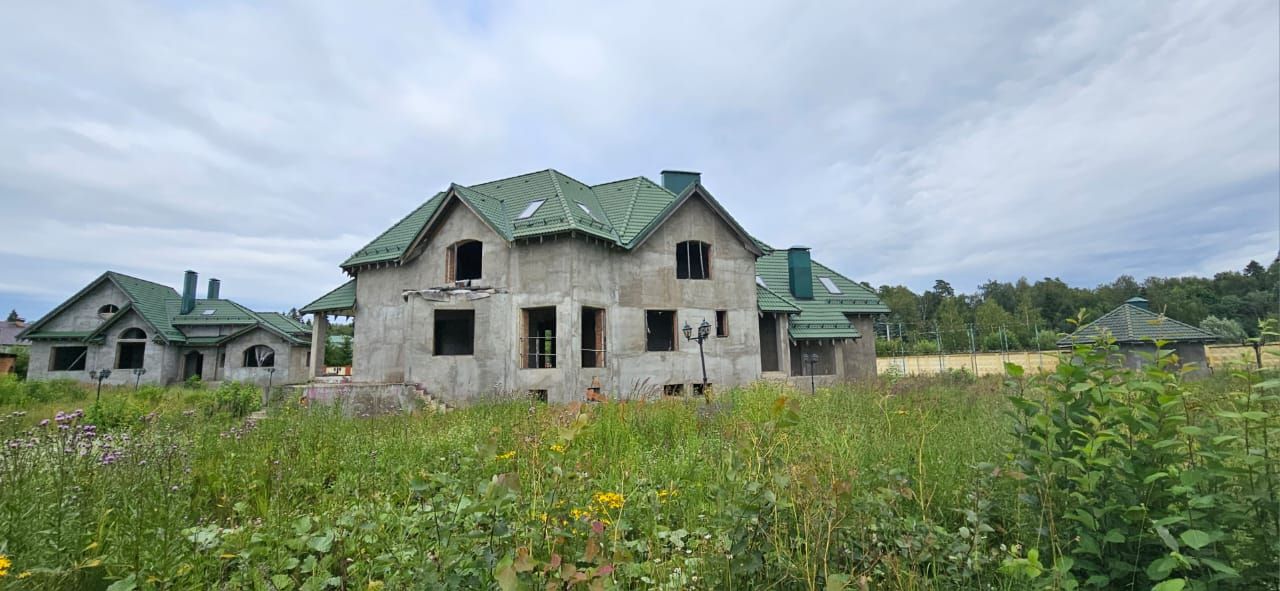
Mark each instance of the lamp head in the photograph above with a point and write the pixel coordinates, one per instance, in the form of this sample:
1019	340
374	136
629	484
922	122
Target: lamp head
704	329
688	331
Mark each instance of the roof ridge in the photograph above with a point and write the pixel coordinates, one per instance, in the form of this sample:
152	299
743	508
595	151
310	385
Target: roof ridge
514	176
564	201
631	206
1166	318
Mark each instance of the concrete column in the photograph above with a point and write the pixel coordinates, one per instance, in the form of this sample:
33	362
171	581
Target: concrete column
319	338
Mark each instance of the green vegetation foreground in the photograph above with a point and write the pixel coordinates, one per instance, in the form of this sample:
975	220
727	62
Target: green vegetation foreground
1092	477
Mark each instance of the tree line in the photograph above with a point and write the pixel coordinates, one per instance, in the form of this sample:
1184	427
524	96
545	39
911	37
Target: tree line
1023	315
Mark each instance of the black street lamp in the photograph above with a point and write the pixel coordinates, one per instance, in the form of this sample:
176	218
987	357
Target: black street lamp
99	375
266	394
137	376
811	359
704	330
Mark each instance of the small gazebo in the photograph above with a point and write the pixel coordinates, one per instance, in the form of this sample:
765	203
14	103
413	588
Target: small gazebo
1136	328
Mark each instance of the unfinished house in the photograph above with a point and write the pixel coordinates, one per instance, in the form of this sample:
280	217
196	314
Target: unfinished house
542	286
147	333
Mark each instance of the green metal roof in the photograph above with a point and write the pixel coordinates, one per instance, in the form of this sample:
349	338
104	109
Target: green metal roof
160	306
621	212
768	301
1132	322
342	298
826	315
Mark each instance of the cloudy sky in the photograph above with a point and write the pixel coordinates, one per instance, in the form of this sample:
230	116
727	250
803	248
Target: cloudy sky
264	142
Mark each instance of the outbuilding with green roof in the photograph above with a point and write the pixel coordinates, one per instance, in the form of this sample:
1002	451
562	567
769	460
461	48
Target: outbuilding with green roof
1136	329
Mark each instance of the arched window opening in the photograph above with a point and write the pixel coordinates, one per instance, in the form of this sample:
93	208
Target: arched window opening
464	260
107	311
693	260
259	356
131	349
133	334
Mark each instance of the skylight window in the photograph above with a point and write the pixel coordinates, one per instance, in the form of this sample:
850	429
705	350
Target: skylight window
760	281
531	209
588	210
208	312
830	285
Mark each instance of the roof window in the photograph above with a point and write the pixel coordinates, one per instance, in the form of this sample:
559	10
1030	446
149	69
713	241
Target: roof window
760	281
830	285
530	209
588	210
208	312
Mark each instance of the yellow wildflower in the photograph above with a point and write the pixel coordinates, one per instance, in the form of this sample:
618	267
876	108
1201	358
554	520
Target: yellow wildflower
577	514
5	563
609	500
556	447
24	574
664	493
506	456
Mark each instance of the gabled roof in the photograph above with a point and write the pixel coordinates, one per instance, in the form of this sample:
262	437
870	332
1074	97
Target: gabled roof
342	298
768	301
824	316
1132	322
622	212
160	307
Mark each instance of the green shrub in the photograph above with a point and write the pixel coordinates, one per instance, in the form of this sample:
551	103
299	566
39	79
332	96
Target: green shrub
237	398
1140	481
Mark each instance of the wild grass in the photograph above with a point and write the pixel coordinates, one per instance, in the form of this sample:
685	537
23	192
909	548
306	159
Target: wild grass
900	484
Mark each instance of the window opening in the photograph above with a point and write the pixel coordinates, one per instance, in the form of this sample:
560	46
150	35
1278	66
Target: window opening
722	323
673	390
539	342
593	341
538	395
464	260
660	330
693	260
830	285
107	311
699	391
530	209
455	332
68	358
131	349
259	356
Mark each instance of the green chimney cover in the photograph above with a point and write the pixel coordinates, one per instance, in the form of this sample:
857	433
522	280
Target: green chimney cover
800	272
1139	302
677	181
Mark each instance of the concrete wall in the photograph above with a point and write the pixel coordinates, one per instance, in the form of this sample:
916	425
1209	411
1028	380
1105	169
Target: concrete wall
290	362
82	314
396	336
160	361
860	354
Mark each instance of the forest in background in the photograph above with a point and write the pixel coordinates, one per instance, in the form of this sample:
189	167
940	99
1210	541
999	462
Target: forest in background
1004	315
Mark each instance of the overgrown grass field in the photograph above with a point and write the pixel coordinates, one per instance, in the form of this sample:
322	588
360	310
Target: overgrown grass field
908	484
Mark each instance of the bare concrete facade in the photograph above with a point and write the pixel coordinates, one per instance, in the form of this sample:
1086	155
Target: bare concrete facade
565	273
105	326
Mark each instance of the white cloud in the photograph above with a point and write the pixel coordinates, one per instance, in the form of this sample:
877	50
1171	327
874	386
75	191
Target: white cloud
961	140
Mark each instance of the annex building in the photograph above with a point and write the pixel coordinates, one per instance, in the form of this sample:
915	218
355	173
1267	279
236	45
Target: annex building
146	332
543	285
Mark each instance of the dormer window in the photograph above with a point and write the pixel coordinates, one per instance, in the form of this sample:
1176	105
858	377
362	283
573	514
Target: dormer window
107	311
464	261
693	260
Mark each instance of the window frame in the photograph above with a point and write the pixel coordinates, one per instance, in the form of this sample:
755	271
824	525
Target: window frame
722	324
81	360
533	355
685	260
648	332
258	363
599	356
451	261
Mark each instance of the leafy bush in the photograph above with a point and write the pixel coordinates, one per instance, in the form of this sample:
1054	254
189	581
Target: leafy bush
237	398
1139	482
1229	330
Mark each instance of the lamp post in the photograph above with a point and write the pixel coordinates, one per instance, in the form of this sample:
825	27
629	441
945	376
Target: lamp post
100	374
137	376
811	359
704	330
266	394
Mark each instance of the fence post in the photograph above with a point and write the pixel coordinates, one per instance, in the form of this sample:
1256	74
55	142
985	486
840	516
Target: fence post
973	350
937	334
